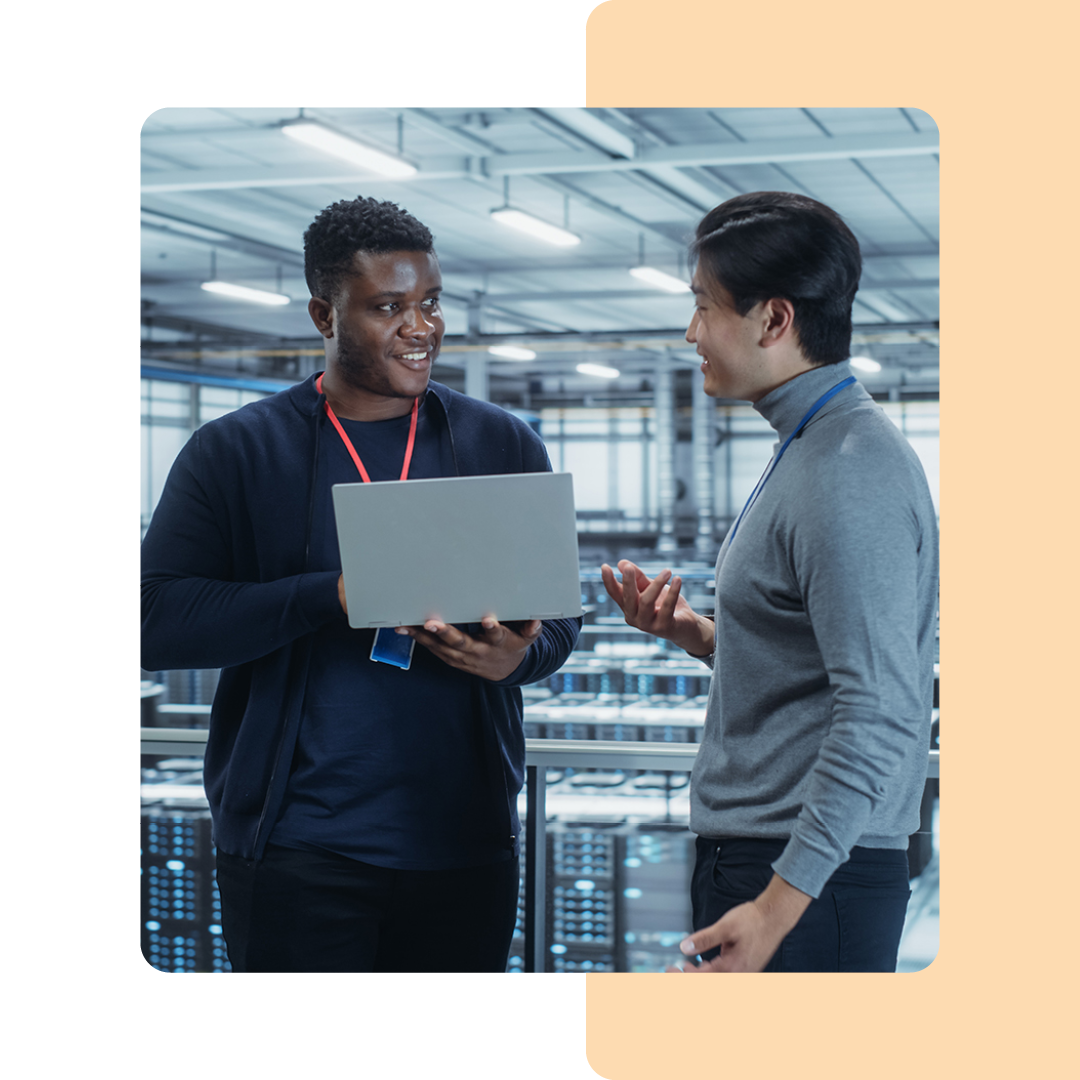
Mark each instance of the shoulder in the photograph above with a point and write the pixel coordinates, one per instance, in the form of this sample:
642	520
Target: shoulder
279	412
471	419
275	431
858	469
488	439
859	444
461	408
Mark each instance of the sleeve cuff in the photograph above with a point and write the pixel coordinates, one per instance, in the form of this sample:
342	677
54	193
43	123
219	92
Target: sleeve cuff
318	597
804	868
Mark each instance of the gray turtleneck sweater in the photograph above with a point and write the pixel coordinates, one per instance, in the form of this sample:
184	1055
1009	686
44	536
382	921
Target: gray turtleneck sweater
818	721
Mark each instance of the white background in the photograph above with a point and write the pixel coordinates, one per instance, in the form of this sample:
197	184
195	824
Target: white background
79	81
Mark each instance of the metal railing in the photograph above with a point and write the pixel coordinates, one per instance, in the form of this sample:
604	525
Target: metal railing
540	755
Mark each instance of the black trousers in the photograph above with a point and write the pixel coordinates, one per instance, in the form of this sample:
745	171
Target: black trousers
854	925
317	911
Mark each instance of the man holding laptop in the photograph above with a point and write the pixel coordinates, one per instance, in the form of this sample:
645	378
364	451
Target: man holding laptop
353	800
812	763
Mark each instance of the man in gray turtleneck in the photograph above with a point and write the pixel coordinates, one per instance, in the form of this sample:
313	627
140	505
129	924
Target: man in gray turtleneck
813	759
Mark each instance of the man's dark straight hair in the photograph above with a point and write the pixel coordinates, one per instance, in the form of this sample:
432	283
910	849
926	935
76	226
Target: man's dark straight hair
349	226
775	245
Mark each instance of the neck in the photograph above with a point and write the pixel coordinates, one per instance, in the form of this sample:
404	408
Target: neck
354	403
784	373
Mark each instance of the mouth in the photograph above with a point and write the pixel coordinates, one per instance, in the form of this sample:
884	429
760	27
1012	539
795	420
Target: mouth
417	359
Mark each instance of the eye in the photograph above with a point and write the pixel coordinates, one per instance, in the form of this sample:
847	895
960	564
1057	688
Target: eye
431	302
387	307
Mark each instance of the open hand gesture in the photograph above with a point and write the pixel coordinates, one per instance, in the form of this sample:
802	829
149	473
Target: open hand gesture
657	607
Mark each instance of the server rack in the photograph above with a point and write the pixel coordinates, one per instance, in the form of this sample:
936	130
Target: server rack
625	906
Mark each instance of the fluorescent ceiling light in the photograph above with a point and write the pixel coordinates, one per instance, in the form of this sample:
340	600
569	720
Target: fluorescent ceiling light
511	352
599	370
864	363
330	142
596	130
658	278
526	223
242	292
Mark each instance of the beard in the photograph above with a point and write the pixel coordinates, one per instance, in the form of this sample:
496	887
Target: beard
359	370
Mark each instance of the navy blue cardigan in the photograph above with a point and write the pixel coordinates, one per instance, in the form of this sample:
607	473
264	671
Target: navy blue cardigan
224	585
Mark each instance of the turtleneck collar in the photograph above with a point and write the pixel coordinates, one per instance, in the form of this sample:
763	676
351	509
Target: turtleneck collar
785	406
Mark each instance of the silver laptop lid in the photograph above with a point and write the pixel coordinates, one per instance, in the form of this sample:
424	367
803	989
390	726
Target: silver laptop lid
459	548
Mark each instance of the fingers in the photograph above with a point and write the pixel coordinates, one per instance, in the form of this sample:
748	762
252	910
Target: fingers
614	589
689	947
495	633
655	587
444	639
446	634
631	599
701	941
696	969
644	602
671	598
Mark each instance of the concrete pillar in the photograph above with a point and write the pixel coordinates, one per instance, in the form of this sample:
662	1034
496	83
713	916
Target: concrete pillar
665	453
704	438
476	375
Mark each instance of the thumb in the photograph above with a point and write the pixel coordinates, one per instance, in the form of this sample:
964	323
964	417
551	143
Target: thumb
700	941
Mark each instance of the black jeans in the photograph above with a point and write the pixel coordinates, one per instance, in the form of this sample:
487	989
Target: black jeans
854	925
317	911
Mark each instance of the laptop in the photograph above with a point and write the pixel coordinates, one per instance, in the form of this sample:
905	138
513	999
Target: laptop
459	548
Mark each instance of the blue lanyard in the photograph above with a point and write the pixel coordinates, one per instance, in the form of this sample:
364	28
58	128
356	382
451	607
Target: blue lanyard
776	460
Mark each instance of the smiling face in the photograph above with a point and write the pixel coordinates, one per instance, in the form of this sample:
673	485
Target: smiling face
727	342
383	332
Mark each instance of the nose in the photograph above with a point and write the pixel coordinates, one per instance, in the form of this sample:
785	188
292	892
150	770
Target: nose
417	324
690	335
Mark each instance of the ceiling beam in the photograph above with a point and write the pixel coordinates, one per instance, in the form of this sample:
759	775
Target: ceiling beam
763	151
212	238
586	295
558	264
706	154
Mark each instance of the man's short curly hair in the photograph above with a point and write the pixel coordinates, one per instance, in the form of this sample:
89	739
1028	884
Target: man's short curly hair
359	224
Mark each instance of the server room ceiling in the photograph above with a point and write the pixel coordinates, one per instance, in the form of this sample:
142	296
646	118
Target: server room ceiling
225	192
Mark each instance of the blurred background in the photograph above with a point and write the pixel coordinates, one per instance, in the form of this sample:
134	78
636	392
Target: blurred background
562	237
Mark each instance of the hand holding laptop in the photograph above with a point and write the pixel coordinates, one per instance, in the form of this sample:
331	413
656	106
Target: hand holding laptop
494	655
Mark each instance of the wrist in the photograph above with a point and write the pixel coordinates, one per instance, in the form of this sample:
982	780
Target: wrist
700	643
782	904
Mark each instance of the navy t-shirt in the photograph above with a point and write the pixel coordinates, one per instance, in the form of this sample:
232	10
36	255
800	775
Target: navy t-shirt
391	767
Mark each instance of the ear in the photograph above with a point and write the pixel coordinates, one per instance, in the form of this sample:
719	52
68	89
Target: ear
322	315
777	321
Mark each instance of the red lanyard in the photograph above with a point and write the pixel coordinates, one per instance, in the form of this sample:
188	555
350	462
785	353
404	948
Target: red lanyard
352	449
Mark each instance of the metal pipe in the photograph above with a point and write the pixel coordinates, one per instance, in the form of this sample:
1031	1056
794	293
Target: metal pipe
665	452
535	867
704	419
476	376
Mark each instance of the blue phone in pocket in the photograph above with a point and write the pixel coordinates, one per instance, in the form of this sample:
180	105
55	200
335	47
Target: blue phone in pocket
390	647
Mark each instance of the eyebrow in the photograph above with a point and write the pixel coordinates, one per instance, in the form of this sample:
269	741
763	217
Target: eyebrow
395	295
